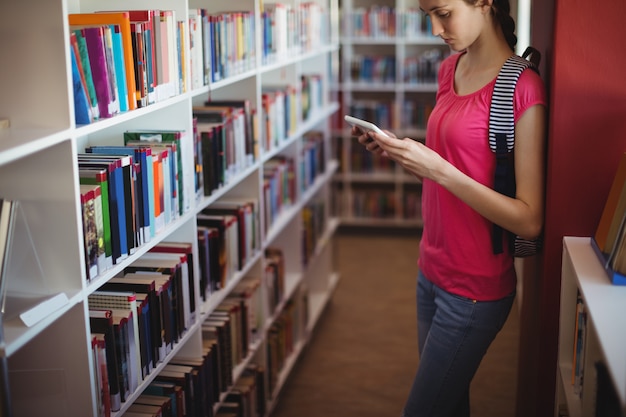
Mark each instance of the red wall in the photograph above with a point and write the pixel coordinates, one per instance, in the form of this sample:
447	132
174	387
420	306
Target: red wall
587	135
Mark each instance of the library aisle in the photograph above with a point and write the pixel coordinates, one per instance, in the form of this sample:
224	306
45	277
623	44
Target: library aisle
363	354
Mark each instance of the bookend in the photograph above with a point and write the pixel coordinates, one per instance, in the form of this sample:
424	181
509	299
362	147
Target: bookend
615	277
25	292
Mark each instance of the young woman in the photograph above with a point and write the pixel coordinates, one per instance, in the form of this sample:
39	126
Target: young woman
464	291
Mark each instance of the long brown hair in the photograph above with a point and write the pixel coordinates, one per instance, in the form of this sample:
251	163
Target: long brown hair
501	11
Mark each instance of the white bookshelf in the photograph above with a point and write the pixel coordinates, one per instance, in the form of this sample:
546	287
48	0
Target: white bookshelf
354	186
605	340
49	361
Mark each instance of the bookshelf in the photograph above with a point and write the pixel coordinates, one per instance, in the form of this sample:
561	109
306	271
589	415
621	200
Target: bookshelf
50	359
584	275
389	64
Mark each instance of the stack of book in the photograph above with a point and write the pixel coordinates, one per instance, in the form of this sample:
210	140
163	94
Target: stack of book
131	192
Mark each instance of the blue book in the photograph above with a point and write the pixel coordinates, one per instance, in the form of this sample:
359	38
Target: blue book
145	338
120	67
82	111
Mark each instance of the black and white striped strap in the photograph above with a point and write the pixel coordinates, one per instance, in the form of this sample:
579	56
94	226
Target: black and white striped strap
501	120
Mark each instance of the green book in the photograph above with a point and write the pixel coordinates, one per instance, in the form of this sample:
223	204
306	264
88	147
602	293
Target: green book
99	177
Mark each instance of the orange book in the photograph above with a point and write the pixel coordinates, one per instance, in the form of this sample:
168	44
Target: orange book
123	20
612	213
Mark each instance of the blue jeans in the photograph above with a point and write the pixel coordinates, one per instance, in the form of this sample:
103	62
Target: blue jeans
454	333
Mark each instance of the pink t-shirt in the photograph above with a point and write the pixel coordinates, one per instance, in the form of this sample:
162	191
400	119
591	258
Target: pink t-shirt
455	249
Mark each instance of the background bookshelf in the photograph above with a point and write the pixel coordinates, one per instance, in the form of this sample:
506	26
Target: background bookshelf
50	360
389	62
581	389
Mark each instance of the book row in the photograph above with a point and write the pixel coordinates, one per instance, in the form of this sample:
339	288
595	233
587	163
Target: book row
412	112
420	68
288	30
283	106
383	21
125	60
130	59
137	318
130	193
378	203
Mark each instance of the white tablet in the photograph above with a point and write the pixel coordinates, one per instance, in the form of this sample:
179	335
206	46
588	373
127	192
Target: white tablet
364	125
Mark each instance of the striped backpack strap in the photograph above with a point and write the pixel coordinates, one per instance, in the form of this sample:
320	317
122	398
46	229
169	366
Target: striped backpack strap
501	121
502	132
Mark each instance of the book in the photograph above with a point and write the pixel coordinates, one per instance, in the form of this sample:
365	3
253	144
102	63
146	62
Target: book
218	328
116	199
121	86
90	231
141	184
227	126
176	271
201	375
96	48
122	21
207	266
164	171
196	64
197	160
186	252
99	177
182	376
175	65
82	108
139	59
162	55
184	165
79	44
164	305
122	194
248	223
124	302
144	410
226	226
251	147
147	290
109	54
147	19
164	403
101	321
172	391
101	376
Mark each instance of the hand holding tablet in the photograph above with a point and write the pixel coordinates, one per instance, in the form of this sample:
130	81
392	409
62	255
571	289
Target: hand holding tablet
364	125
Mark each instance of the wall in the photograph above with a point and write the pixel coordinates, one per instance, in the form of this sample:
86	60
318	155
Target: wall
587	135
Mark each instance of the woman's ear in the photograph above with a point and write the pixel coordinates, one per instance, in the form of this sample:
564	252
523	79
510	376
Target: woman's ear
485	5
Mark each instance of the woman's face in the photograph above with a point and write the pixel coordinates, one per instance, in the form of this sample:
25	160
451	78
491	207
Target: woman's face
458	23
